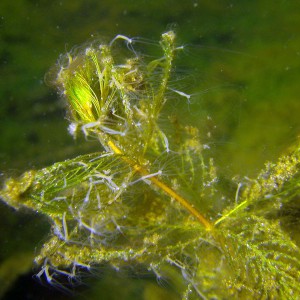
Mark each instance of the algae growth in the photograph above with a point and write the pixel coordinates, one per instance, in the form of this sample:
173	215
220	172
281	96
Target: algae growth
147	197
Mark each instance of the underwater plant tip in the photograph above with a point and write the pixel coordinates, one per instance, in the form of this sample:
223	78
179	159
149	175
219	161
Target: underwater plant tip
164	187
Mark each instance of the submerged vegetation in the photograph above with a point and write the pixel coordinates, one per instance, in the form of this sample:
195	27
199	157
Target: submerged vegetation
147	198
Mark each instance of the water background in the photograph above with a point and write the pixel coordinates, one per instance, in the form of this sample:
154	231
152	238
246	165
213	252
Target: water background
241	58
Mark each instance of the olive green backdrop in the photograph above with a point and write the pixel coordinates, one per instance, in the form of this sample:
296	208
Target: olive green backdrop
242	61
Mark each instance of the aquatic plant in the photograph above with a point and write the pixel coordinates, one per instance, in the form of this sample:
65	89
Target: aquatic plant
146	198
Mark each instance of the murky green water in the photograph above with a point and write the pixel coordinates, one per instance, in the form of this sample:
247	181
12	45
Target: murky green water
242	59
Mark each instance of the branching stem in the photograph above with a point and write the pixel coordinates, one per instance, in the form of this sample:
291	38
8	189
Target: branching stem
167	190
238	207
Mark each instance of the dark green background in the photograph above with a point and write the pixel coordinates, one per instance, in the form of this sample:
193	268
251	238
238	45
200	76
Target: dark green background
242	59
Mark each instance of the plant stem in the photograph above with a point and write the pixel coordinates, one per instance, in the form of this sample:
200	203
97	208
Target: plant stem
167	190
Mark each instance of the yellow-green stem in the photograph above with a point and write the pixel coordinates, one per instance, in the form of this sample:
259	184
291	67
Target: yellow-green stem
167	190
